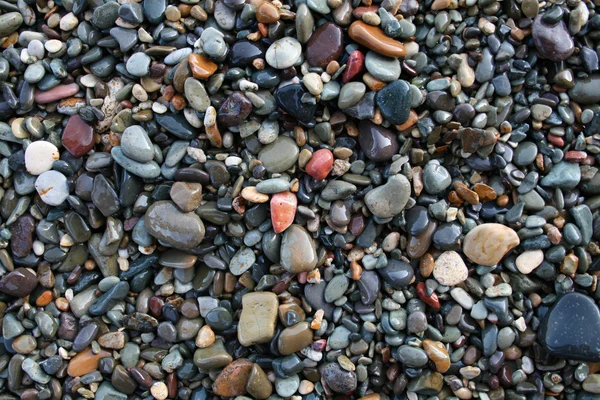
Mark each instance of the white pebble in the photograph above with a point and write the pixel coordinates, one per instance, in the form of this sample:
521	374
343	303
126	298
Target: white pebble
38	248
36	49
52	187
53	45
68	22
529	260
39	157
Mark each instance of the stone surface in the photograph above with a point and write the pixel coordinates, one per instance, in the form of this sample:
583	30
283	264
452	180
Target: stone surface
258	318
298	253
487	244
164	221
450	269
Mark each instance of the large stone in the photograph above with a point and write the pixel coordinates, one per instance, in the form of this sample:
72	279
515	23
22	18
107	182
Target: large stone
570	328
325	45
168	224
298	253
233	379
258	319
486	244
552	41
388	200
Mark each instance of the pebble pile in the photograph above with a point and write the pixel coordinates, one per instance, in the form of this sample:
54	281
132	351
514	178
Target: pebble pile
309	199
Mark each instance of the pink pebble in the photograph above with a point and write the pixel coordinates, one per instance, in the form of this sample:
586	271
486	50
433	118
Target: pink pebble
56	93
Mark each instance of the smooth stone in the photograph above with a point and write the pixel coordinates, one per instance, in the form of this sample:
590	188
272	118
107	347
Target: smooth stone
568	328
148	170
336	288
242	261
9	23
212	357
138	64
450	269
394	101
397	274
136	144
487	244
85	362
552	41
52	187
436	178
259	385
587	90
78	136
165	222
378	143
389	200
283	53
283	210
186	195
232	380
325	45
258	319
350	94
290	99
386	69
294	338
196	94
21	231
375	39
280	155
564	175
39	157
234	110
104	197
298	252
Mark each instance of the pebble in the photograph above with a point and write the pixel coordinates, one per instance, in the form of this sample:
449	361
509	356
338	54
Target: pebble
52	187
450	269
39	157
488	243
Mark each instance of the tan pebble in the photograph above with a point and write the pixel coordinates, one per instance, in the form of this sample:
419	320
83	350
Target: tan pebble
487	244
426	265
569	264
450	269
205	338
466	75
529	260
306	387
345	363
440	5
251	194
159	390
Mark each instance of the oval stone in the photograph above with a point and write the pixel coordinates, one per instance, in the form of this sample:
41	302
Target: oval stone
280	155
552	41
325	45
164	221
377	142
486	244
298	253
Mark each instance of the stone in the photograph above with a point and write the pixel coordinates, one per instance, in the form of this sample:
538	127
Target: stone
569	328
10	22
375	39
291	99
553	42
298	252
325	45
85	362
280	155
18	283
283	210
78	136
164	221
294	338
397	274
21	231
450	269
242	261
338	379
136	144
389	200
259	385
487	244
436	351
39	157
196	94
394	101
212	357
529	260
186	195
564	175
201	66
52	187
258	318
386	69
378	143
283	53
233	379
320	164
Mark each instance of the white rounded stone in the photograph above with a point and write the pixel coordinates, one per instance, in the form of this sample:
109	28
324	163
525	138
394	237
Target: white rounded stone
40	156
52	187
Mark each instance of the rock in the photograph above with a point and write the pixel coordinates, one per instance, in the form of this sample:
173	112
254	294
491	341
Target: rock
320	164
18	283
212	357
52	187
233	379
39	157
389	200
586	91
294	338
436	351
136	144
242	261
283	210
397	274
394	101
280	155
529	260
487	244
258	318
186	195
164	221
196	95
201	66
450	269
78	137
298	253
283	53
564	175
290	99
375	39
569	328
21	232
56	93
378	143
552	41
325	45
386	69
259	385
85	362
10	22
338	379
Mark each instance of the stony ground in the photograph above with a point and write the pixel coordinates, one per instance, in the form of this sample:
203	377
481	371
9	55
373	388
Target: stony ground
310	199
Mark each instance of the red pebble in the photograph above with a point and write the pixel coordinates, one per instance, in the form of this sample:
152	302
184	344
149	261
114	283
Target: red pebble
283	210
156	304
78	136
575	156
320	164
432	300
556	140
354	66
